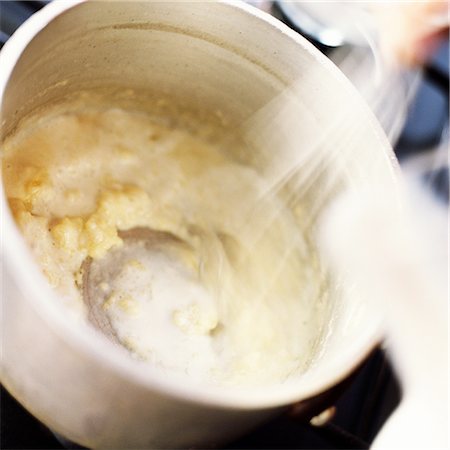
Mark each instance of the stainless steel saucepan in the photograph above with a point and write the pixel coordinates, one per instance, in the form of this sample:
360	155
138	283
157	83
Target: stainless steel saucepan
221	61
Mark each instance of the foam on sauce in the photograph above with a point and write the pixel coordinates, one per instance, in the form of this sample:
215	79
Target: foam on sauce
238	304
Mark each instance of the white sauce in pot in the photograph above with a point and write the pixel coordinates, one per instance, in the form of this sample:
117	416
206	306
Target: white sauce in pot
238	302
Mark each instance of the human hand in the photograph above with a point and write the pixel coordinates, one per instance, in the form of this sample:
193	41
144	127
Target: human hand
410	31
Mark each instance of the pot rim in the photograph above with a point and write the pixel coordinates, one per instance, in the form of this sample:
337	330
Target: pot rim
18	259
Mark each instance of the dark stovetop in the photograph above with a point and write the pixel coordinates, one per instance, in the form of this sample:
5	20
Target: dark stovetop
373	393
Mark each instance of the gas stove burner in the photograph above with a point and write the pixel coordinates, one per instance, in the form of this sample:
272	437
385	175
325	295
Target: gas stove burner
329	24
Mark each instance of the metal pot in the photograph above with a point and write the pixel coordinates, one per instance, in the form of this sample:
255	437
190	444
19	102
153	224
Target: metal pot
233	63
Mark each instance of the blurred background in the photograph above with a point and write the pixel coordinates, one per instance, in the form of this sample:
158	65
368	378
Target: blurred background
413	107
